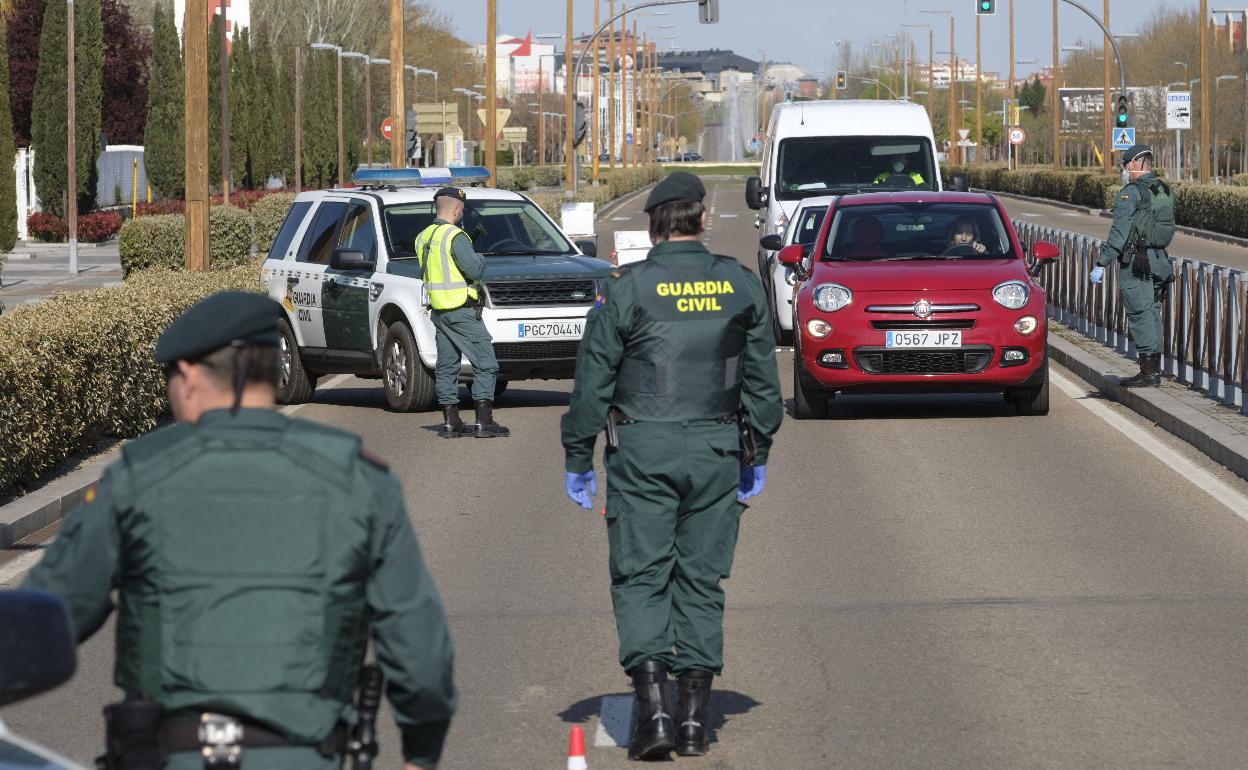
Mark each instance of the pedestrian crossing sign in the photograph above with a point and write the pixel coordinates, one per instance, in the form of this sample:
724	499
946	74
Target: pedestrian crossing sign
1124	138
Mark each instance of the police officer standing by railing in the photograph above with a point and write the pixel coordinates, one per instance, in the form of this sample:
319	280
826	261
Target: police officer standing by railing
451	270
1143	227
678	363
251	554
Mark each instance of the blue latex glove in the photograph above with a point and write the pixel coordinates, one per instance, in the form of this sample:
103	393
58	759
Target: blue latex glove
581	487
1098	274
752	479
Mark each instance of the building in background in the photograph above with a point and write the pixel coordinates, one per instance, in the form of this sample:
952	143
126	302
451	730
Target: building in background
237	14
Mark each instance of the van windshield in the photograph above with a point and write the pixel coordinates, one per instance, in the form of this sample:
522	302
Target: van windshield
819	165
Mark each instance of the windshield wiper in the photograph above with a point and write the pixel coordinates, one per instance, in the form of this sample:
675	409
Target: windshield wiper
525	253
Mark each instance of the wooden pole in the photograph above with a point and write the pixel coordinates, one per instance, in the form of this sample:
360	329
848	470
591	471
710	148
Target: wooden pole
398	99
569	100
1055	104
979	79
635	111
931	66
1107	139
1205	114
593	109
611	97
1010	110
71	140
195	80
298	118
541	121
342	157
225	105
368	111
953	87
491	91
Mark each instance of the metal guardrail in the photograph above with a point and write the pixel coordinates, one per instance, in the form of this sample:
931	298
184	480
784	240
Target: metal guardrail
1205	315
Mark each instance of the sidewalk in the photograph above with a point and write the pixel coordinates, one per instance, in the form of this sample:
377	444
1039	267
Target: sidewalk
35	271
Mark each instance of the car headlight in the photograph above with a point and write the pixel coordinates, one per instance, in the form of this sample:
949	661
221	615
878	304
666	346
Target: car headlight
830	297
1011	294
782	222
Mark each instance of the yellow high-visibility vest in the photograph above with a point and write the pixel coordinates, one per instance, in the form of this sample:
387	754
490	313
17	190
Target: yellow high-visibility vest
445	286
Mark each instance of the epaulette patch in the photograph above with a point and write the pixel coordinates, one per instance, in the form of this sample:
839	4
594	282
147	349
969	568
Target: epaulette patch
373	459
1126	197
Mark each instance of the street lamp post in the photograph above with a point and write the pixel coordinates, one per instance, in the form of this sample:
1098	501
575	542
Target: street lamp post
342	161
953	57
368	103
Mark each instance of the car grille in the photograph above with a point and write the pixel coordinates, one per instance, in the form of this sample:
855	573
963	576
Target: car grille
536	351
931	323
964	361
542	293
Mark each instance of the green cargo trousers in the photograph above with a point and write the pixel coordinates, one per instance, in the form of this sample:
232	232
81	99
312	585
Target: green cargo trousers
672	517
461	334
1142	297
274	758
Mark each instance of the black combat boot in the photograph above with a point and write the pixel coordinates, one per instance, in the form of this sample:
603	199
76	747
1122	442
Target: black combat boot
452	425
486	427
1150	372
693	701
653	735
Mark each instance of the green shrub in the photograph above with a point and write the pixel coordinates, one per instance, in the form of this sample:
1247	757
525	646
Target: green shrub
1219	208
229	236
77	369
269	212
1240	180
548	176
160	241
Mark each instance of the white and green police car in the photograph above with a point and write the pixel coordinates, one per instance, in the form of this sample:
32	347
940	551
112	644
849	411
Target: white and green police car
344	268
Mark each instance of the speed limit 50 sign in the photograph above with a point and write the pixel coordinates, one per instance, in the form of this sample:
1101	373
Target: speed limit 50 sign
1017	135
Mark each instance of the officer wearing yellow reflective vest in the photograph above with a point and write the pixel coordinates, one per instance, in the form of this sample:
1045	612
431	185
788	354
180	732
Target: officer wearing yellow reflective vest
678	363
896	176
451	269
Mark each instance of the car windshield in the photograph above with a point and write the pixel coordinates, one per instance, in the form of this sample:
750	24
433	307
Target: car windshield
819	165
497	228
806	225
914	231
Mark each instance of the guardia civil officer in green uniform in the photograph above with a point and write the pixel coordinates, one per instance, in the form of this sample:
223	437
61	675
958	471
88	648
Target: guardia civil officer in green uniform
451	269
251	555
1143	227
676	345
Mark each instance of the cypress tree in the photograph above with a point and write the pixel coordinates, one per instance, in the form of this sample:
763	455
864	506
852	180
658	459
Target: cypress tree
8	181
320	148
163	136
49	114
267	103
214	101
241	134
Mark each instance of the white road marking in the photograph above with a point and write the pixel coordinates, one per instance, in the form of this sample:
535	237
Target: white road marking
620	219
727	216
615	718
1030	214
12	571
329	385
1199	477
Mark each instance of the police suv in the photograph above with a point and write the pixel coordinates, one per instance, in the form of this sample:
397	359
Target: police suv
345	269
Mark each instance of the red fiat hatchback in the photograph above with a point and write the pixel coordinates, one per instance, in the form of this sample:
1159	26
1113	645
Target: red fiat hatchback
919	292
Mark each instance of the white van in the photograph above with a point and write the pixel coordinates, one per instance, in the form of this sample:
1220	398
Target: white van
820	148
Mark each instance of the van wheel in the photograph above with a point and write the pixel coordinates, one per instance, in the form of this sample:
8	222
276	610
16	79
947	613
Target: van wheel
1034	401
408	384
808	403
295	384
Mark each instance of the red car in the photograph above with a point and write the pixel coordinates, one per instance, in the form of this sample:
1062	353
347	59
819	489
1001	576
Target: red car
919	292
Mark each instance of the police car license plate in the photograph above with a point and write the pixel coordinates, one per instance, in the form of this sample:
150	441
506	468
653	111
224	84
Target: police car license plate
923	339
550	330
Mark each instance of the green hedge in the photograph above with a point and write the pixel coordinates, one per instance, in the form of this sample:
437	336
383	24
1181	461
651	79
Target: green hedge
77	369
269	212
1240	180
523	177
619	183
1219	208
160	241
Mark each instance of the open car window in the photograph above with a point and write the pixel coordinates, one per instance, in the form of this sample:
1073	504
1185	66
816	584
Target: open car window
914	231
496	227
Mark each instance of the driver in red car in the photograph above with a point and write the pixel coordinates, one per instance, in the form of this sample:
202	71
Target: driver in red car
963	234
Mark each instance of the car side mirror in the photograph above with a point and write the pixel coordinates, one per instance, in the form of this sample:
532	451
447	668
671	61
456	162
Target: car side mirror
754	195
588	246
773	242
351	259
1044	252
959	183
37	646
791	255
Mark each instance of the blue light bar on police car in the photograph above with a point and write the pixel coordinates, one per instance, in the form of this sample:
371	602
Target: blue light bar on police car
420	177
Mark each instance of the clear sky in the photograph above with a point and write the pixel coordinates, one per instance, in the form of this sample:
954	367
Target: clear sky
802	31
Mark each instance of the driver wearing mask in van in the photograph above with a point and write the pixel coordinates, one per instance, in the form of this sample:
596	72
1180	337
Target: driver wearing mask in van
898	169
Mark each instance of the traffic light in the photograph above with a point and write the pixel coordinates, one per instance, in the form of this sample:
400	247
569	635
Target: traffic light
708	11
842	80
985	7
413	144
1120	115
580	124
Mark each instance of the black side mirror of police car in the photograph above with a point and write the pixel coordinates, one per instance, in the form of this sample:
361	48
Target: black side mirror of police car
959	183
37	646
773	242
351	259
754	195
588	246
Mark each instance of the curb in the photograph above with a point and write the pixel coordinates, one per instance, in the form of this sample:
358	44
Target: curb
1222	445
27	515
619	203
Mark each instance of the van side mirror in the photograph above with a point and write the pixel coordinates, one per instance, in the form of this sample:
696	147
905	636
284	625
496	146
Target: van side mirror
773	242
588	246
37	646
959	183
791	255
755	196
351	259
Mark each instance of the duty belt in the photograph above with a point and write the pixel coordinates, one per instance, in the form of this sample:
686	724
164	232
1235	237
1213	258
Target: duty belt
200	735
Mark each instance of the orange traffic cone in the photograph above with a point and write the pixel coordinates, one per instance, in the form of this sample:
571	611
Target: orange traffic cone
576	749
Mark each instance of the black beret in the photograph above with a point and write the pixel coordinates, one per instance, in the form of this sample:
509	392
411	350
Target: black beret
677	187
217	321
1135	151
453	192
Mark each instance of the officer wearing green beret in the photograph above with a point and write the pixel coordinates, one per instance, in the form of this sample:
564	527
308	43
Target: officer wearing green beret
676	351
251	555
451	270
1143	227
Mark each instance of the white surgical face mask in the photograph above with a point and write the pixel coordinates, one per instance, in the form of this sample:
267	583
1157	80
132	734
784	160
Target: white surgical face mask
898	166
1126	176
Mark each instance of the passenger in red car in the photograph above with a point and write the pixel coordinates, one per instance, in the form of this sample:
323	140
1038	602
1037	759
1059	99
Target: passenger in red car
867	232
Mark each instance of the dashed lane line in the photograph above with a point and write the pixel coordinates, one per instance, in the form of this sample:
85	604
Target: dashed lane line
1199	477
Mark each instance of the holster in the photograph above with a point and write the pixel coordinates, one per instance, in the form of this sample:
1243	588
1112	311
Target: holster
615	417
1139	265
132	736
749	447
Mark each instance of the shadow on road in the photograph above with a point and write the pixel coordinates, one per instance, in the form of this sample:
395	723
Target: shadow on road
375	398
938	406
725	704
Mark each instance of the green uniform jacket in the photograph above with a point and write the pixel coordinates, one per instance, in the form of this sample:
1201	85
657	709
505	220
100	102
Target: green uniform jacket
607	331
1120	237
250	555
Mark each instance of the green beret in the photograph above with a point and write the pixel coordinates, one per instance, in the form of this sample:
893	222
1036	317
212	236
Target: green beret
453	192
677	187
217	321
1135	151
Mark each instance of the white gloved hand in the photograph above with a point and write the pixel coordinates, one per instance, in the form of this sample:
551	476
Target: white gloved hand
1098	274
